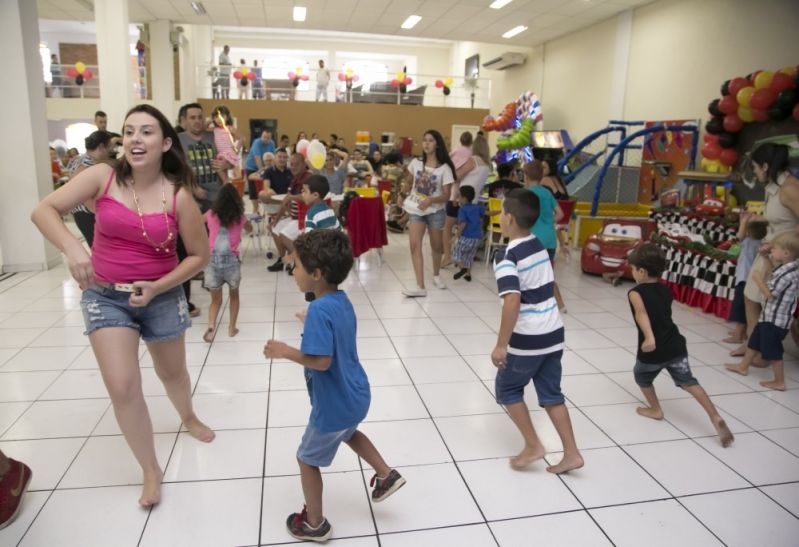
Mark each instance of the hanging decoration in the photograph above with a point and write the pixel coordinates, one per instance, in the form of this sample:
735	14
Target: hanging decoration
296	76
244	75
348	76
80	72
402	81
444	86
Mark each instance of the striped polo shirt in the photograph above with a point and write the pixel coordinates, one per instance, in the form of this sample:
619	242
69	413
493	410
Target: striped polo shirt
525	268
321	217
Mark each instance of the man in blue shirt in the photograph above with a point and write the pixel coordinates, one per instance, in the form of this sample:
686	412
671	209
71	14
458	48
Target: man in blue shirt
254	163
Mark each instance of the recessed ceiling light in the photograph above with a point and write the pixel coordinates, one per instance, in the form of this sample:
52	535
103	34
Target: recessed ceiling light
299	13
499	4
514	31
198	8
411	21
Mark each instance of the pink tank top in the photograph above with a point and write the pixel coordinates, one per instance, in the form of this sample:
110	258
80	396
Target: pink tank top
120	253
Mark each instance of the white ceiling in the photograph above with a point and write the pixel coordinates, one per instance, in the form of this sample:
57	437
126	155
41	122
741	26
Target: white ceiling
469	20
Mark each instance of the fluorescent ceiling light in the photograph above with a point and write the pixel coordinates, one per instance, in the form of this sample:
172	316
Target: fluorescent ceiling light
198	8
299	13
411	21
514	31
499	4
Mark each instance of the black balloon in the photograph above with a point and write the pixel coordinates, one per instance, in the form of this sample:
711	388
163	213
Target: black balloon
727	140
295	82
79	79
447	90
244	81
725	88
713	108
403	88
715	126
777	113
787	99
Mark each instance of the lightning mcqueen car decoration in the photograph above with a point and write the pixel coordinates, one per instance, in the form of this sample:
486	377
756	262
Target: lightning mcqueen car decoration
607	251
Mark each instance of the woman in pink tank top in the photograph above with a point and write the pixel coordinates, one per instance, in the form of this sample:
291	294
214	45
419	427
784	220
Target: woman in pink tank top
132	281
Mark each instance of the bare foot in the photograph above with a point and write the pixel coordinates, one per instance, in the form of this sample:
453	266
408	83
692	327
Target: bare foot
725	435
567	464
759	363
779	386
209	335
733	339
736	368
300	315
527	456
650	412
151	490
232	331
738	352
199	430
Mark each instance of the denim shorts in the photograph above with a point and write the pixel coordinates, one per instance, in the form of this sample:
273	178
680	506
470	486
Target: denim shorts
543	370
434	220
318	448
679	369
738	312
222	269
164	318
767	339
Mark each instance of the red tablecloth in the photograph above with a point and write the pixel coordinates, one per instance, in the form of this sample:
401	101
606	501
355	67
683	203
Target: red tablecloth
720	307
366	224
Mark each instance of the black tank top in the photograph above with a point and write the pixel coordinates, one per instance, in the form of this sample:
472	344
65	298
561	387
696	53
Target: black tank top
669	343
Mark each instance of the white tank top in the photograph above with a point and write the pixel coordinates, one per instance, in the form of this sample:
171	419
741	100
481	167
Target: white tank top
476	178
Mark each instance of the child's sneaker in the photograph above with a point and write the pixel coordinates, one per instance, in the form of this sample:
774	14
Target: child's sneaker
298	527
438	282
12	488
383	488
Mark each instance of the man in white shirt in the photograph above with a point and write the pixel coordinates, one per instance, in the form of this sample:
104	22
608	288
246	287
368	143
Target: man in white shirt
224	71
322	81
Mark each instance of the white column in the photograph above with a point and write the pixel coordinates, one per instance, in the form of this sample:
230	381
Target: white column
621	63
114	60
188	66
203	48
24	158
162	70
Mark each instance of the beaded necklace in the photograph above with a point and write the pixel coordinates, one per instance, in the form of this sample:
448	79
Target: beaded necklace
164	245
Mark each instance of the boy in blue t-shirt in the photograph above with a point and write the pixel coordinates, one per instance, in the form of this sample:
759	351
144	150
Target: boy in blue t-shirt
470	232
339	387
531	337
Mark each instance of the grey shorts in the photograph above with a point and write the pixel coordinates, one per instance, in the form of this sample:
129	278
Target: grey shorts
318	448
222	269
679	369
435	221
164	318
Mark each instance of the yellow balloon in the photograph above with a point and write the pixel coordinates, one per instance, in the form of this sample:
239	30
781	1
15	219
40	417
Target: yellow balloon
745	95
448	82
789	70
316	159
745	113
80	67
762	80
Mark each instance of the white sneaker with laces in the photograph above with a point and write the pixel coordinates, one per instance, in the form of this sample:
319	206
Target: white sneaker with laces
438	282
414	293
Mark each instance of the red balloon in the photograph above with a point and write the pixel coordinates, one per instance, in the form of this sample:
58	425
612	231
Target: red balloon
728	104
760	115
251	75
439	84
395	83
737	84
237	74
88	74
732	123
711	151
763	98
796	112
780	82
341	76
71	72
728	157
709	137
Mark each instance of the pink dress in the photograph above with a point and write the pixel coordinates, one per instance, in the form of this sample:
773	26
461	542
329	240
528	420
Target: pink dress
224	148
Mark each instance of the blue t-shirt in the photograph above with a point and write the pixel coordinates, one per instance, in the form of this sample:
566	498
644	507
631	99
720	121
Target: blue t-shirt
544	227
258	148
472	215
340	395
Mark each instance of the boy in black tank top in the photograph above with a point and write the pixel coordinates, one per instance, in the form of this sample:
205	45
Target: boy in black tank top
660	344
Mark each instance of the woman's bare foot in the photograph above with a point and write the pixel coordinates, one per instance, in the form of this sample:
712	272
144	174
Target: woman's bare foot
232	331
151	490
527	456
567	464
779	386
738	352
733	339
209	335
650	412
758	362
736	368
725	435
199	430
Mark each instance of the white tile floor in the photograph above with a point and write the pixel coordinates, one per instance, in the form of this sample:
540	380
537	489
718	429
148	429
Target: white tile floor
432	415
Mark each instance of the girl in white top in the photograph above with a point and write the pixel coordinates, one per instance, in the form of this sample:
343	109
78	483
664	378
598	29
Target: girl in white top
431	180
474	172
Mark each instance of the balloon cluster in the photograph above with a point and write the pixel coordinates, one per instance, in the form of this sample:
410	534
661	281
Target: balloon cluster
402	81
80	73
503	122
244	75
296	76
314	151
444	85
520	138
522	114
760	97
348	76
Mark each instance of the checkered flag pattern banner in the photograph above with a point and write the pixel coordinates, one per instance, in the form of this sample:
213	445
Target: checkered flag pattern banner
705	227
703	273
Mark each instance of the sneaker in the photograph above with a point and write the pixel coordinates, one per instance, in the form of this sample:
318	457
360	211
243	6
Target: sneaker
460	273
298	527
438	282
414	293
276	267
12	489
394	226
383	488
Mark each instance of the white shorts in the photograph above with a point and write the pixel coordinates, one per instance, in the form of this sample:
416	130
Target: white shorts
289	227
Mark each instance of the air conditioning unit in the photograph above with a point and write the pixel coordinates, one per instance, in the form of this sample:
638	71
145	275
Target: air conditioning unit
506	60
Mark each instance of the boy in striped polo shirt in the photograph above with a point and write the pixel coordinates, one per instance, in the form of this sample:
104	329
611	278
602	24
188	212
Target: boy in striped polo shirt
530	340
319	216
